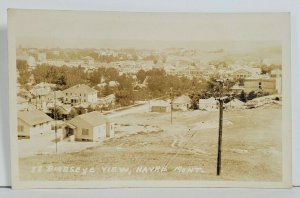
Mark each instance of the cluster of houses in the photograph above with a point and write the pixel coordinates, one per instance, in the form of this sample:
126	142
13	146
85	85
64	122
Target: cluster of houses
251	79
34	107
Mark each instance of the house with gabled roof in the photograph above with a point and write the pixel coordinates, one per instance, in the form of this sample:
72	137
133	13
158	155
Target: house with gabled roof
93	126
182	103
32	123
78	94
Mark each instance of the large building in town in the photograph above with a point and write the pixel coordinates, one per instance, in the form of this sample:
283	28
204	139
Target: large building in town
79	94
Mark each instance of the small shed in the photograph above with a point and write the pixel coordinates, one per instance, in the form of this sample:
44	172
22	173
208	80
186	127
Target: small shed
160	106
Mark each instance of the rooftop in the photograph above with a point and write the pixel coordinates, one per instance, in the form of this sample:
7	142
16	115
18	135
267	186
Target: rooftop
34	117
92	119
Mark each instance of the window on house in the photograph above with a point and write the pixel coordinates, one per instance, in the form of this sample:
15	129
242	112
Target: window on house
259	85
85	131
20	128
66	94
33	126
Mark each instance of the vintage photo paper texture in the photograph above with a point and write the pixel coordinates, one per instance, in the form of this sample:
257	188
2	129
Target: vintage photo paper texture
136	99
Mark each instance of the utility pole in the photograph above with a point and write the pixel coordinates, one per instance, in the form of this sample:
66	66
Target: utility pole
221	102
220	136
171	97
55	126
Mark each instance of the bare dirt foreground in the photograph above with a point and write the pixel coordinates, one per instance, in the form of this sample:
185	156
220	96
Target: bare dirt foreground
185	150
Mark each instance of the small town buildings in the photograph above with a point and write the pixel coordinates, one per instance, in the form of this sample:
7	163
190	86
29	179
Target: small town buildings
45	85
32	123
182	103
240	74
79	94
92	126
237	89
88	61
54	95
210	104
40	94
277	75
22	104
160	106
267	85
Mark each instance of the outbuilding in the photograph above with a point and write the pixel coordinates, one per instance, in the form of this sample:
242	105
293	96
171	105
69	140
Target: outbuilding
160	106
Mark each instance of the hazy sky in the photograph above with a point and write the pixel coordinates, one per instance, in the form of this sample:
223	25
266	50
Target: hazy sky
120	29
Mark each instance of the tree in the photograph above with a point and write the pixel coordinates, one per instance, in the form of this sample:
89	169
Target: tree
73	113
124	92
111	74
24	74
95	76
251	95
243	96
195	101
141	75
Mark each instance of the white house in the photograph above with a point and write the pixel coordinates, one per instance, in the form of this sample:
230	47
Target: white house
33	123
79	94
92	126
210	104
182	103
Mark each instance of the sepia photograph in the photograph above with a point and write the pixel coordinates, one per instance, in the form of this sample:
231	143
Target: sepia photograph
140	99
